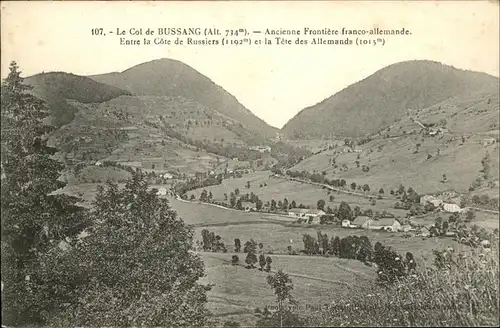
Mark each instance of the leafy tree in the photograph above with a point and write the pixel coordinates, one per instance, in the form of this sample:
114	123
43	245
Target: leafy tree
135	268
282	285
310	244
237	191
345	212
250	249
273	205
192	198
401	190
366	188
206	240
390	265
204	196
381	191
232	200
210	196
235	260
470	216
357	211
258	204
321	204
237	245
239	205
332	198
268	263
33	219
248	184
262	262
293	204
285	204
353	186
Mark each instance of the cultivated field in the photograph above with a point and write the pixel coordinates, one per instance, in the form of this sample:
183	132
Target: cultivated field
207	215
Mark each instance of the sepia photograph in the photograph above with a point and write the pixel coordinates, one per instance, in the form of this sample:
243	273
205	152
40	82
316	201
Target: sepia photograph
250	163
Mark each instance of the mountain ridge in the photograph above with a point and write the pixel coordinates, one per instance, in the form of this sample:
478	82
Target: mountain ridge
340	113
169	77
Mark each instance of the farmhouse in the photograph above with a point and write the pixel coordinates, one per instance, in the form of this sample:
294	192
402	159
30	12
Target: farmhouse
315	216
424	232
407	228
346	223
430	199
361	222
98	163
452	208
311	215
167	176
385	224
248	206
298	212
315	213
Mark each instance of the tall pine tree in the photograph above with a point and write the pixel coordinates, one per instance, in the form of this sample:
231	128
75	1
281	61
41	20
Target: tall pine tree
33	220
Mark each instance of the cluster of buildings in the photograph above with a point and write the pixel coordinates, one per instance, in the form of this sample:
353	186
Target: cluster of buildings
440	204
308	215
312	216
386	224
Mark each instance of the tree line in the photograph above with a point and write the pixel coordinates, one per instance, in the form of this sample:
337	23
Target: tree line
390	264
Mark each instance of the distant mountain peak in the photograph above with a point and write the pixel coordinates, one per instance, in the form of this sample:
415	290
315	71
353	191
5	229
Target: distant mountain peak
171	77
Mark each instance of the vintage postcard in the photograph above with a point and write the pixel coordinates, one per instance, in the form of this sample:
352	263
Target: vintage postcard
249	163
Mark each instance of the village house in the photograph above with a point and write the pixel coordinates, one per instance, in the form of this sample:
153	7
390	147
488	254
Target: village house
98	163
388	224
310	215
297	212
451	208
407	228
361	222
430	199
314	216
424	232
248	206
346	223
167	176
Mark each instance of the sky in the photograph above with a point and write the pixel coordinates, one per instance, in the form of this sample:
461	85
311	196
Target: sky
274	82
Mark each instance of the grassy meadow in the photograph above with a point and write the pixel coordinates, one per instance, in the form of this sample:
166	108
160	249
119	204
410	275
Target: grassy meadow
302	193
237	291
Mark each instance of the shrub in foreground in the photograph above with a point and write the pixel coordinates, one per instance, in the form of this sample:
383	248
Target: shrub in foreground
464	292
